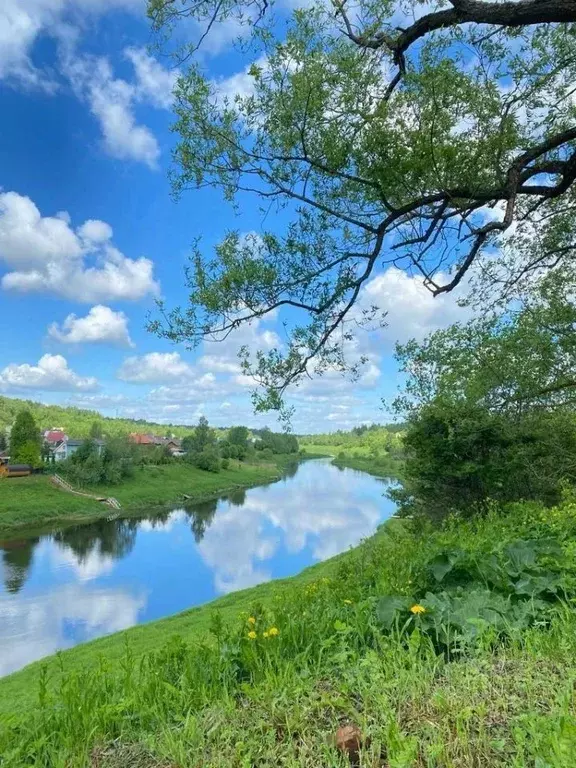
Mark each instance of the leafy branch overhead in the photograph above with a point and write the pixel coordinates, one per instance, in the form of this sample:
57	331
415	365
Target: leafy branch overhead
371	136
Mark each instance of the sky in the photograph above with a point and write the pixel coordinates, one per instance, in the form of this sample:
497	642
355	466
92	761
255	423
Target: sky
90	236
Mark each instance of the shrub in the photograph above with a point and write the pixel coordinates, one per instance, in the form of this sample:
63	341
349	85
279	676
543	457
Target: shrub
225	463
267	454
208	460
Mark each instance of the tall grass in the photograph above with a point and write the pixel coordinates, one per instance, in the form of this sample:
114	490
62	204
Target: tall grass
272	686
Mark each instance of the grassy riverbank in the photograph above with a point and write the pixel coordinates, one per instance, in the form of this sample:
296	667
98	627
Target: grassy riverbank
482	674
360	459
34	501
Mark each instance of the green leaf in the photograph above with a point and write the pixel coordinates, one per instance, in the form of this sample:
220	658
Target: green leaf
442	564
389	607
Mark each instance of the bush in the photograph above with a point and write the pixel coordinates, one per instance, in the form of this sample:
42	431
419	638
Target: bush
208	460
460	457
267	454
225	463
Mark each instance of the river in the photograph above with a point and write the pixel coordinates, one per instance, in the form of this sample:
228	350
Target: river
70	585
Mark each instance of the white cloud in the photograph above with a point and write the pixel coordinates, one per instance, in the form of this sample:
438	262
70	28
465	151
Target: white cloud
413	312
101	325
156	368
154	83
51	373
47	255
22	22
111	101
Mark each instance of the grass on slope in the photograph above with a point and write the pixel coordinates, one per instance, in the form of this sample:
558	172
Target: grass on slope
34	501
287	664
154	486
359	458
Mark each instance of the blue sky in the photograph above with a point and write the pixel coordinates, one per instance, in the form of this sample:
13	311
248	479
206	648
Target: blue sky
89	235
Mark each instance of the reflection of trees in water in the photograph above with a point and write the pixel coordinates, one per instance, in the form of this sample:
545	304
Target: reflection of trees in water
115	538
290	469
201	516
237	497
17	557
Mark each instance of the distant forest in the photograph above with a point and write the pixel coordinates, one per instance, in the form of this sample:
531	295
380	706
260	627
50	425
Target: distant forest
78	422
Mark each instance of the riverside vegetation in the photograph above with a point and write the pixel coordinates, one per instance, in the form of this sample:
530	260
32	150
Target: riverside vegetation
137	476
444	647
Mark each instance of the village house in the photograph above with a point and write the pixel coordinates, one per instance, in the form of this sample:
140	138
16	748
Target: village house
62	447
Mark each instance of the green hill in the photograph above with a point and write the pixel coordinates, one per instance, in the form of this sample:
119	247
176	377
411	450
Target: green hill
78	421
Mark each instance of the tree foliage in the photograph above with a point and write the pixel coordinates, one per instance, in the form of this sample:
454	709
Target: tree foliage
277	442
25	440
490	407
383	137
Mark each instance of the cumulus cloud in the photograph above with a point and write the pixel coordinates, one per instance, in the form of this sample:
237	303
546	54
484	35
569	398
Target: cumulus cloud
101	325
51	373
412	310
154	83
22	22
48	255
156	368
111	101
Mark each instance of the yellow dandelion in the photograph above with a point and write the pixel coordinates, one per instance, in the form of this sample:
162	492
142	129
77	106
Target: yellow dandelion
273	631
265	635
251	620
252	635
347	602
417	609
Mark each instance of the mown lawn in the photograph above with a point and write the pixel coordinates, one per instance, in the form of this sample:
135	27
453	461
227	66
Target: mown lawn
34	501
267	677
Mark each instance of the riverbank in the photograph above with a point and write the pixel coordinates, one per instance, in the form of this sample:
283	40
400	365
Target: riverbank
35	501
363	461
267	676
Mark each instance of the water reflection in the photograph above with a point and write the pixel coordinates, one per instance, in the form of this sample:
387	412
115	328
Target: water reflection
81	582
16	558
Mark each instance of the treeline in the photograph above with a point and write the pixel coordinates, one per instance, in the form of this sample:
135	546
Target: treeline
376	439
78	422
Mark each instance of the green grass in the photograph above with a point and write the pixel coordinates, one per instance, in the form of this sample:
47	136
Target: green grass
34	501
358	458
217	697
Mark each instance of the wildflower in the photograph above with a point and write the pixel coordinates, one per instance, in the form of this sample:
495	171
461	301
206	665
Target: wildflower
251	620
273	631
252	635
417	609
347	602
265	635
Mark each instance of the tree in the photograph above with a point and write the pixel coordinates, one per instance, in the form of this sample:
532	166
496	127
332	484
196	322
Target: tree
3	441
202	438
96	430
490	408
25	440
238	436
385	139
512	362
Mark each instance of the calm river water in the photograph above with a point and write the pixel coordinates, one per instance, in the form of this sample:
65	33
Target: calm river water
67	586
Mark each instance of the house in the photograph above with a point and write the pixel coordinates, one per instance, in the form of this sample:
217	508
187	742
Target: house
175	447
53	436
63	449
4	457
72	446
139	439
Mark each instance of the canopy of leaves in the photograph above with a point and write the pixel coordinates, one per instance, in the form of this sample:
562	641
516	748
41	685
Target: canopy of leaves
25	440
383	136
